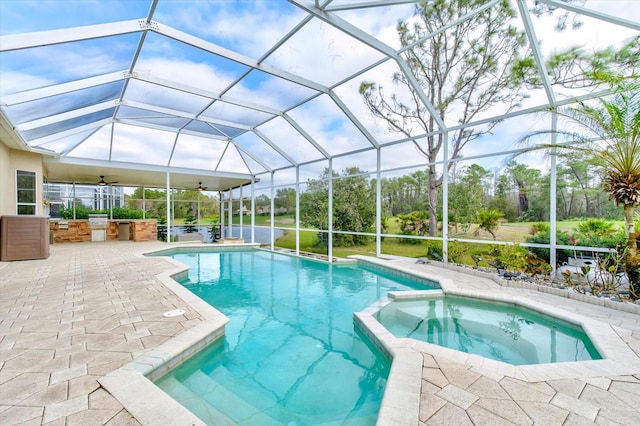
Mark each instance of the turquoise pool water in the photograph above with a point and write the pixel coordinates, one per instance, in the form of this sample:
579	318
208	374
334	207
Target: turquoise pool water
503	332
291	354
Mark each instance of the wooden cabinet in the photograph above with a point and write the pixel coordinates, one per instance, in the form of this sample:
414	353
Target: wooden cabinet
24	237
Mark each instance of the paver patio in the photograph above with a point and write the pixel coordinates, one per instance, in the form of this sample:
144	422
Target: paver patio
91	308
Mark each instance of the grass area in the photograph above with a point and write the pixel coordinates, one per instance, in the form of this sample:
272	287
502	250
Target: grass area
280	221
512	232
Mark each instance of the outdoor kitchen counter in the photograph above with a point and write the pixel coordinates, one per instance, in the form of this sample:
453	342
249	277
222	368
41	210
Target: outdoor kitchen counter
80	230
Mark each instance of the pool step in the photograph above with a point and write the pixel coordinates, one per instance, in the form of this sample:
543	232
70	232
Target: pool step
241	403
194	403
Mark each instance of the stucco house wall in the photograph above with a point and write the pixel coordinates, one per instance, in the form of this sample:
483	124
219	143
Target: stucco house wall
10	161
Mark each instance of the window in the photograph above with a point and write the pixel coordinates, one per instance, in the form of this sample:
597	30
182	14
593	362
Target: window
26	192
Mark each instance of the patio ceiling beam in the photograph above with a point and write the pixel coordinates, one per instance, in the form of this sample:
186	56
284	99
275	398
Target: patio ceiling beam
59	89
150	168
48	38
233	56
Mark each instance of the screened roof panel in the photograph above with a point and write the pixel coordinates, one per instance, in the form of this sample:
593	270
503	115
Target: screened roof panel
29	16
179	62
97	146
261	151
279	81
231	161
128	141
167	121
323	54
270	91
68	124
594	34
225	23
235	113
379	22
328	125
202	127
197	152
290	141
164	97
61	63
65	102
252	165
349	94
67	144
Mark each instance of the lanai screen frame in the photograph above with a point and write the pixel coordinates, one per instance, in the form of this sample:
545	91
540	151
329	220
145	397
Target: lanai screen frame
327	12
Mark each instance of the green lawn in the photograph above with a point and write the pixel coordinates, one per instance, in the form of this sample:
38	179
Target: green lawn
513	232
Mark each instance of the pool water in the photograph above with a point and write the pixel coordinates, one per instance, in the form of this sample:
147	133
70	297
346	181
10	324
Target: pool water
291	354
504	332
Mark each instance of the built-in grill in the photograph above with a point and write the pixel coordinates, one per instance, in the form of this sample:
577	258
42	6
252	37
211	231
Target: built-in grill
98	226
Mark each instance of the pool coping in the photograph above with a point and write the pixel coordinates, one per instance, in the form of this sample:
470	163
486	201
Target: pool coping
132	384
401	401
133	387
135	379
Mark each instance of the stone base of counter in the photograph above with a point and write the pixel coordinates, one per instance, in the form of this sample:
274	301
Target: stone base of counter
77	231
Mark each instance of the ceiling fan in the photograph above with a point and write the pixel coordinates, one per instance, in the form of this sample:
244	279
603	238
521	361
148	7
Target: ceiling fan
200	187
102	182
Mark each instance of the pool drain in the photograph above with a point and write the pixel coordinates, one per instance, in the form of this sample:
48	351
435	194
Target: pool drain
174	313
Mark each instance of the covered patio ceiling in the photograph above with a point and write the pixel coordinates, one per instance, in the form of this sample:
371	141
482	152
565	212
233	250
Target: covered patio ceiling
221	92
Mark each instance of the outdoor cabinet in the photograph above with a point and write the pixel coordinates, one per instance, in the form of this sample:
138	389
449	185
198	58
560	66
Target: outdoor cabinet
24	237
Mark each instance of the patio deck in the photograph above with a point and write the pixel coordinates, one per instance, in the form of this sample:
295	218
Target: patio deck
91	308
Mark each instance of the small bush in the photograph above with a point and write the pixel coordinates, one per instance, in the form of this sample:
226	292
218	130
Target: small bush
596	227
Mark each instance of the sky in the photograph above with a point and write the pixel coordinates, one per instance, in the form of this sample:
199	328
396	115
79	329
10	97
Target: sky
247	31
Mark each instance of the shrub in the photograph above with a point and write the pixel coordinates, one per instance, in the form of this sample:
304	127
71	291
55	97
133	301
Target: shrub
540	227
456	251
596	227
513	257
488	220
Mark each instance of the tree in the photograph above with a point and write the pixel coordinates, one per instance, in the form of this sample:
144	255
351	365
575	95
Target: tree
463	71
354	206
467	194
477	65
608	133
285	199
488	220
525	180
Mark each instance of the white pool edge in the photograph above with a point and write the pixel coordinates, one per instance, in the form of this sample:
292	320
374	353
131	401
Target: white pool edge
133	387
408	354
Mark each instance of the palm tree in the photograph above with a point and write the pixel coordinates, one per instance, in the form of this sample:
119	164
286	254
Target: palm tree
609	133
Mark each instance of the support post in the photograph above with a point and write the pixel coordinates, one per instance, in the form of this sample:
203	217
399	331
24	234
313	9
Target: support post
330	212
378	203
272	217
552	197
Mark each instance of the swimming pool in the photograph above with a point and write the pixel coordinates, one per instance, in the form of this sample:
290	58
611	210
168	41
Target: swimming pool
291	354
500	331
